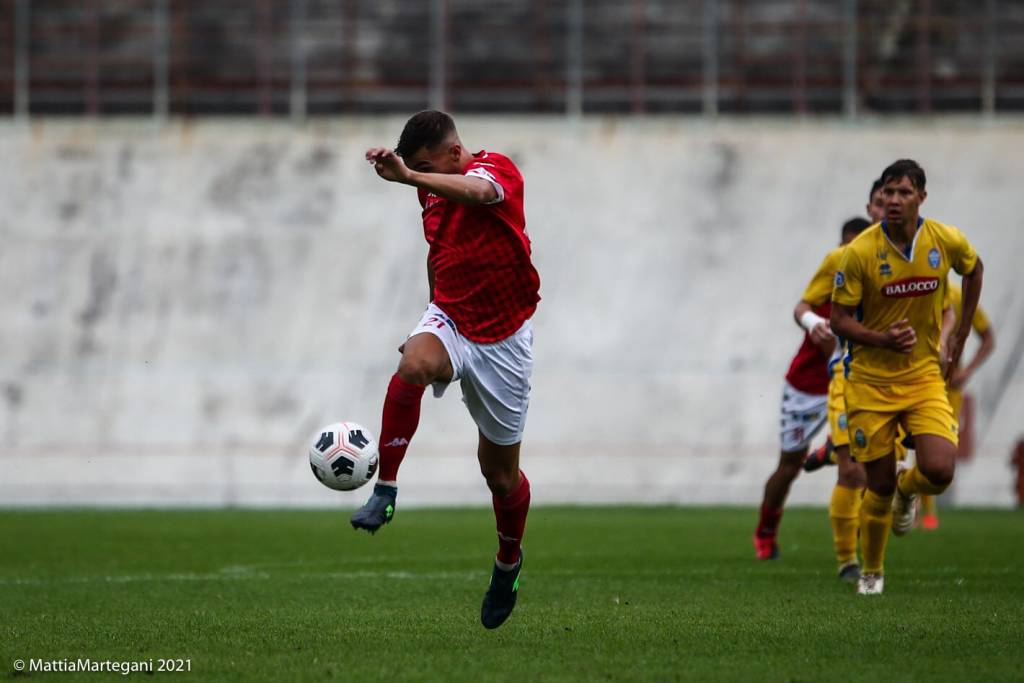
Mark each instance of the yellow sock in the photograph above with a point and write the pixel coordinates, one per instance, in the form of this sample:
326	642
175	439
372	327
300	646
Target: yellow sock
912	481
844	514
875	520
928	504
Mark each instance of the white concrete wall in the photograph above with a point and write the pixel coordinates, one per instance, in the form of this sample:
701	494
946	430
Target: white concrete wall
183	306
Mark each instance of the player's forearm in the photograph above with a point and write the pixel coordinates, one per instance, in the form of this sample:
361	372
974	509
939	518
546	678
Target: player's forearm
971	295
802	309
988	345
848	327
457	188
948	323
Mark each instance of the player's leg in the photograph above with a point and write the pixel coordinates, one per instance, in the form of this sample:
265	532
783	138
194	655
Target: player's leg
873	419
844	507
425	360
929	508
802	416
934	427
931	474
844	513
496	390
510	496
776	490
875	521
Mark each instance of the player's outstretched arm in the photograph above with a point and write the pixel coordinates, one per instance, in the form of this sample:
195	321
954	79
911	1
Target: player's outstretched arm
453	186
972	294
899	336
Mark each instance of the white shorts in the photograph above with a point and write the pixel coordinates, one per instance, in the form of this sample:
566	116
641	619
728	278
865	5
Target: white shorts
803	416
495	378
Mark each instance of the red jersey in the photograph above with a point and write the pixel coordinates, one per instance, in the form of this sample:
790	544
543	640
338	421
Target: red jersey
483	276
809	370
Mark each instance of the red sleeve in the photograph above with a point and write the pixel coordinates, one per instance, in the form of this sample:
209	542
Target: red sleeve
497	170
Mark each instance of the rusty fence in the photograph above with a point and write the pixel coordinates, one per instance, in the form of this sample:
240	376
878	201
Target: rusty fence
303	58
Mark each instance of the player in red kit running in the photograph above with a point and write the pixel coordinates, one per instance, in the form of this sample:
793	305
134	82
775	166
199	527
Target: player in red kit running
804	409
476	329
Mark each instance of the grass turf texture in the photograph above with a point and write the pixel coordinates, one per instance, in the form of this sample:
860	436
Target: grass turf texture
607	594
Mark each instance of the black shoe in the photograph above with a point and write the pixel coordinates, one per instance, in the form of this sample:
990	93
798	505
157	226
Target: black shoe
378	510
500	599
850	572
820	458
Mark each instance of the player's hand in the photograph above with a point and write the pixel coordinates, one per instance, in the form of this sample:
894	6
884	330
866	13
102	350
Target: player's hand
958	378
823	339
900	336
387	164
822	334
956	348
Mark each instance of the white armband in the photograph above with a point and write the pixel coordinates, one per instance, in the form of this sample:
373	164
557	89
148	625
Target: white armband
810	320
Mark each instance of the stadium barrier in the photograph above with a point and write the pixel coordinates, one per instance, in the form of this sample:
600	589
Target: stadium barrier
186	303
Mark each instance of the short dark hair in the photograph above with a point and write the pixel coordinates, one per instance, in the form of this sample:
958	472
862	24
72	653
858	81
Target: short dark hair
854	227
426	129
875	187
905	168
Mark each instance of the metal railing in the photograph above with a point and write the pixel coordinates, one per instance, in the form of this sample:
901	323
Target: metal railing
311	57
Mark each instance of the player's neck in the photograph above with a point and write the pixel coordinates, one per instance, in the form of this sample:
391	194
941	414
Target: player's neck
903	235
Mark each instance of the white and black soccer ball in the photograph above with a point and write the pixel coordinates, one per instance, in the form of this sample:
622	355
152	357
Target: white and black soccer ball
343	455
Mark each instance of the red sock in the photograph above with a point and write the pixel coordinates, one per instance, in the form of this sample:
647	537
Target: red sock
510	513
768	525
401	416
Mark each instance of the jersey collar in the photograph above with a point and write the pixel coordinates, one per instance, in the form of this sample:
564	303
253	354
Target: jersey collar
909	253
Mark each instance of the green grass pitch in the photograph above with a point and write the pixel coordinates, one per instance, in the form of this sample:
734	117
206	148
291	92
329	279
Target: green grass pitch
607	594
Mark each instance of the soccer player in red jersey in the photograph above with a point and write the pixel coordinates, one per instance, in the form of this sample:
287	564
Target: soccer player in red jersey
476	329
804	396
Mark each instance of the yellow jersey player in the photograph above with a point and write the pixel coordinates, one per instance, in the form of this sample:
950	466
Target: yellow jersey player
958	379
887	303
844	506
845	503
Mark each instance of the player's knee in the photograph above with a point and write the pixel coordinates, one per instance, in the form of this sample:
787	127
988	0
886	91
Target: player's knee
938	474
500	482
416	370
852	479
852	476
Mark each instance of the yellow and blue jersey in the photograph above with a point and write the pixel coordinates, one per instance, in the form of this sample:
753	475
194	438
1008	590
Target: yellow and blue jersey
887	285
819	289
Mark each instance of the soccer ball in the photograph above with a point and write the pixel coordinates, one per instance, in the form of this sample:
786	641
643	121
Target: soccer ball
343	455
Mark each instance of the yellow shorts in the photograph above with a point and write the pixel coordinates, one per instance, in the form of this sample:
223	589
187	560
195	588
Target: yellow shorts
956	400
901	450
875	413
837	410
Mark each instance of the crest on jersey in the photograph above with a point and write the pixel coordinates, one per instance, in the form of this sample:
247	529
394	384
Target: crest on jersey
860	439
934	258
842	421
840	279
885	270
